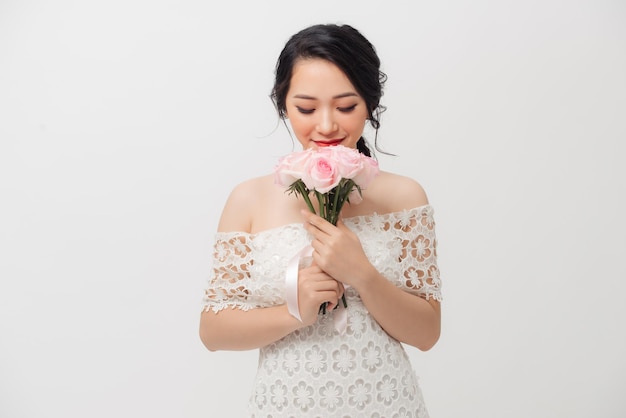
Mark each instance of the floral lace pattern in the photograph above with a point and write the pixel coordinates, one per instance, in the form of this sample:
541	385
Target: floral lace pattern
316	371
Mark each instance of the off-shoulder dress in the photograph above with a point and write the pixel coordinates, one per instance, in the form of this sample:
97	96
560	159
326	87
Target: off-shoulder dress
318	371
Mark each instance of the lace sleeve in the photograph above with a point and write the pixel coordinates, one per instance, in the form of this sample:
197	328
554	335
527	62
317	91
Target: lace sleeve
409	239
248	270
232	263
418	256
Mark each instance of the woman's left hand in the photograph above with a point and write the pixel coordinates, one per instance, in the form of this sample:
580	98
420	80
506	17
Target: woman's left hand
337	250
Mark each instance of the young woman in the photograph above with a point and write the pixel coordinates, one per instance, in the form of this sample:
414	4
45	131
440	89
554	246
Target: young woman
381	255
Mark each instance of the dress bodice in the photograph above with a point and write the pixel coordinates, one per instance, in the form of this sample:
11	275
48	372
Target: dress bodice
317	371
249	269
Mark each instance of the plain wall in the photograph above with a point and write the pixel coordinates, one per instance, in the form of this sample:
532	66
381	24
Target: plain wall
125	124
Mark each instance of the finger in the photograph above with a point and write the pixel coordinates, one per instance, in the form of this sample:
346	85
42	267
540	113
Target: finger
330	285
315	273
320	238
317	221
331	298
318	247
330	306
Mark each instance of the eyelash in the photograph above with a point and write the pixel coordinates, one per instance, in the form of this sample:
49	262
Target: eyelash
304	111
341	109
347	109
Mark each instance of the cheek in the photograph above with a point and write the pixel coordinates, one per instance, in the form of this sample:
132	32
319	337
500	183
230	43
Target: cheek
356	124
300	124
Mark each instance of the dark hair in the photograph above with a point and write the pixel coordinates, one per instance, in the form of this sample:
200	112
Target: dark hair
345	47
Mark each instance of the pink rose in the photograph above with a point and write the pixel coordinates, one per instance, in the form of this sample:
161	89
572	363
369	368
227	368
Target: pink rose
350	161
368	172
321	172
291	168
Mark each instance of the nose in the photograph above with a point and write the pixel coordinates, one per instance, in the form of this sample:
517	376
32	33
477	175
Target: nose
326	124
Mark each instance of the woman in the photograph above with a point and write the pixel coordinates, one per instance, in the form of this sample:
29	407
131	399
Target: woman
381	255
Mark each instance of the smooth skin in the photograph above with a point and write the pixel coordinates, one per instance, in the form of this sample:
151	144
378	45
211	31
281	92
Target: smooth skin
324	109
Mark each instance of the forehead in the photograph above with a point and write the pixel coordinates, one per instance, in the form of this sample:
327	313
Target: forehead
317	76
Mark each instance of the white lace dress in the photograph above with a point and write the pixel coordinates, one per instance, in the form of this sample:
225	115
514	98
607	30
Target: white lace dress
316	371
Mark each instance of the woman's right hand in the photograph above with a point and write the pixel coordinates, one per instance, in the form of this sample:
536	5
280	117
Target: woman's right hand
315	288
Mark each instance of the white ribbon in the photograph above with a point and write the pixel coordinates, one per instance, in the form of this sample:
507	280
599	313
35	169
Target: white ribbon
341	317
291	285
291	281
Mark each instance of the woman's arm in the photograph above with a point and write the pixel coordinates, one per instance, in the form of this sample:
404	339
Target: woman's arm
232	328
236	329
407	317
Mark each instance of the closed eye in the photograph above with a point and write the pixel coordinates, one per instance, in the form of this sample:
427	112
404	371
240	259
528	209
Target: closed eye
347	109
304	111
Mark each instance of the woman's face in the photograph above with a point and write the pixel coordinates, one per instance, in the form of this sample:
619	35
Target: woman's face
323	106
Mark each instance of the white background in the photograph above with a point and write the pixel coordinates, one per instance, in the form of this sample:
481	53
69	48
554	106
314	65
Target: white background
124	125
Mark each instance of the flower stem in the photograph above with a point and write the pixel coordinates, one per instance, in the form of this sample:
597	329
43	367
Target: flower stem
301	188
321	203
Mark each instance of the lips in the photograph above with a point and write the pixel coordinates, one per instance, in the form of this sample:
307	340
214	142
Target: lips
328	143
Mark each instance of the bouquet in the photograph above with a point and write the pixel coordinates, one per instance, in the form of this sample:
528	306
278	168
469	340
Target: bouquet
334	175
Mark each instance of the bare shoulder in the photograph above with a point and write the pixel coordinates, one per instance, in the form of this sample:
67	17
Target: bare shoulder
397	192
238	214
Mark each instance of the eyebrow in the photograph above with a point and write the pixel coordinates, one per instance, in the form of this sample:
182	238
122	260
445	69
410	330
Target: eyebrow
339	96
